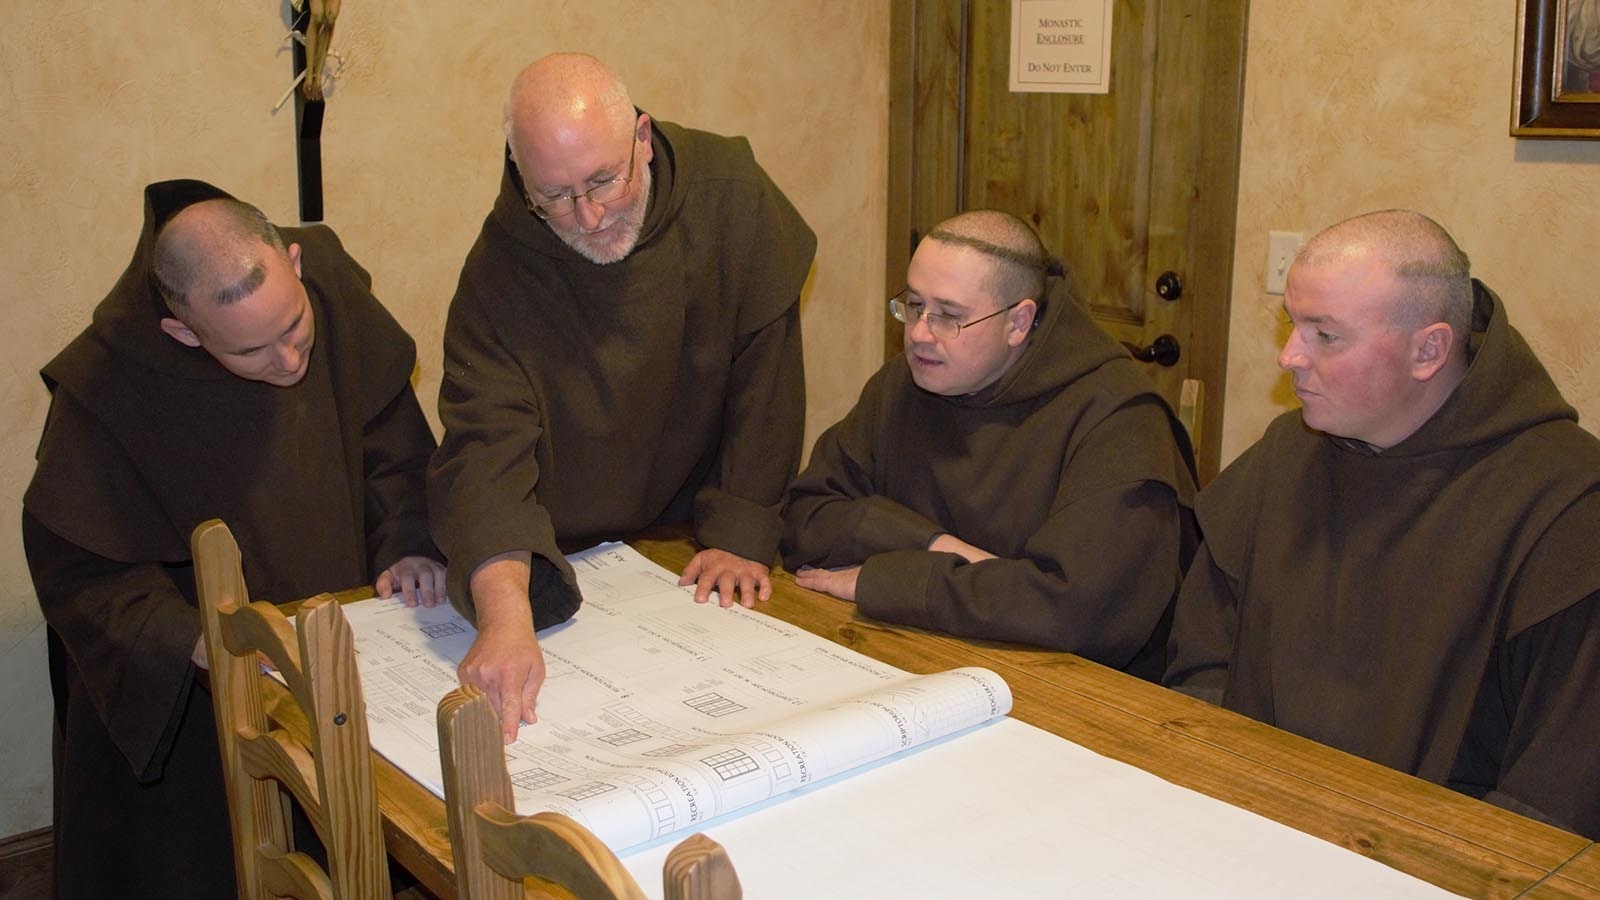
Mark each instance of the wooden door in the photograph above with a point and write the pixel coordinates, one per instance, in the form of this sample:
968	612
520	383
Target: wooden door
1125	187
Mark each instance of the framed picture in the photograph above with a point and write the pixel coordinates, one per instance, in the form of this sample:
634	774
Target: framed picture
1556	93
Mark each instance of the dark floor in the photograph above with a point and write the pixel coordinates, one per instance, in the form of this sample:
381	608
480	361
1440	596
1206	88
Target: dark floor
25	869
25	866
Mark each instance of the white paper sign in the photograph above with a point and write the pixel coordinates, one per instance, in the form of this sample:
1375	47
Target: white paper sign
1061	46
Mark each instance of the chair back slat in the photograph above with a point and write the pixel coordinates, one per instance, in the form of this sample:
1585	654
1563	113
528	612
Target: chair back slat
554	849
278	757
474	768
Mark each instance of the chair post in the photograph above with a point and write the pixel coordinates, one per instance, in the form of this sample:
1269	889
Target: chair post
698	868
237	702
338	718
474	768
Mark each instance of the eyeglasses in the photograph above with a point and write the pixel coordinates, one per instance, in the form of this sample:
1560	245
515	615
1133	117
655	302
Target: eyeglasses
605	192
945	327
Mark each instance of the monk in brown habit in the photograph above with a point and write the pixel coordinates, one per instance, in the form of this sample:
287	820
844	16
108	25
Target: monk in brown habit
236	371
1405	567
623	350
1013	476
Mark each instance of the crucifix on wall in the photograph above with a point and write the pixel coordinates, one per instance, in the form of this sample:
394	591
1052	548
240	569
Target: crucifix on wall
313	29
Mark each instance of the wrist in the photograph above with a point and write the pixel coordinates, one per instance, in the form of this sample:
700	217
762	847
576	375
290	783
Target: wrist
500	609
500	593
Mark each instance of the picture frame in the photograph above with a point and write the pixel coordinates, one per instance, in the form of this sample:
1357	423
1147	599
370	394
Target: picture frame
1556	81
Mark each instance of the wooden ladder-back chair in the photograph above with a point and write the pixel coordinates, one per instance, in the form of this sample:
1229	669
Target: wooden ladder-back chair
495	849
332	780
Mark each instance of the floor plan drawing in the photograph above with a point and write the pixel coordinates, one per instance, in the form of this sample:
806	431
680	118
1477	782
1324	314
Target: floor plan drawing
657	713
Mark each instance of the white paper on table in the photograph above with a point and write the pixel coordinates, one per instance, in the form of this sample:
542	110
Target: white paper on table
999	809
657	713
1009	810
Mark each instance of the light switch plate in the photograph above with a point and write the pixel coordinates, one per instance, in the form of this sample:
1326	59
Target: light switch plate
1281	246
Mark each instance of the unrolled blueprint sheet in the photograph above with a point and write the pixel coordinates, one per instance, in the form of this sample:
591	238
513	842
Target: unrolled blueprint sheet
1009	810
658	713
1002	809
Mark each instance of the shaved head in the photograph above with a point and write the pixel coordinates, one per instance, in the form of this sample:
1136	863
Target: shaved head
1434	275
1018	257
1380	314
564	90
234	290
213	251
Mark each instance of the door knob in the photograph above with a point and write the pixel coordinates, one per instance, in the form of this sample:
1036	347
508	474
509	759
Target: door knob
1169	286
1163	351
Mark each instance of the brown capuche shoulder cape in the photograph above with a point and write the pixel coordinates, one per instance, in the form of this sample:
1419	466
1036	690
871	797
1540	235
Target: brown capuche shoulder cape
1432	607
1070	468
584	402
322	484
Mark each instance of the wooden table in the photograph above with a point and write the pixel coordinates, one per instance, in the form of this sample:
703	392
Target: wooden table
1438	835
1580	877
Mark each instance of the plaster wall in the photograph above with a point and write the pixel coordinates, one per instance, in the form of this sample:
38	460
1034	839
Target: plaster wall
1354	107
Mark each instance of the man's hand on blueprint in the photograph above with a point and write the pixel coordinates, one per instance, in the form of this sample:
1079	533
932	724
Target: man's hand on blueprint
840	583
417	579
732	577
505	659
507	663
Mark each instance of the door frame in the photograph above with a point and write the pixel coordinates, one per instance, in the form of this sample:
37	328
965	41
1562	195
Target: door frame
1209	283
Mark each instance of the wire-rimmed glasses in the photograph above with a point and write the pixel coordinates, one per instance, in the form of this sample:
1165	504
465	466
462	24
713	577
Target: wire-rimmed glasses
944	326
605	192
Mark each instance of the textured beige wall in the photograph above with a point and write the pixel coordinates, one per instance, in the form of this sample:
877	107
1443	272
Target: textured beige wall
99	98
1351	107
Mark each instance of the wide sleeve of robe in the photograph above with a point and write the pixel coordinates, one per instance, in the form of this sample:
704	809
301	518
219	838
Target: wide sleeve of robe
1548	677
737	509
396	445
481	482
123	622
1204	625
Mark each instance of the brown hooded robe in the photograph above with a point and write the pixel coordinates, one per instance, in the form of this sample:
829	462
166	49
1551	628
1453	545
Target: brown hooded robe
1432	607
1070	468
321	483
584	402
